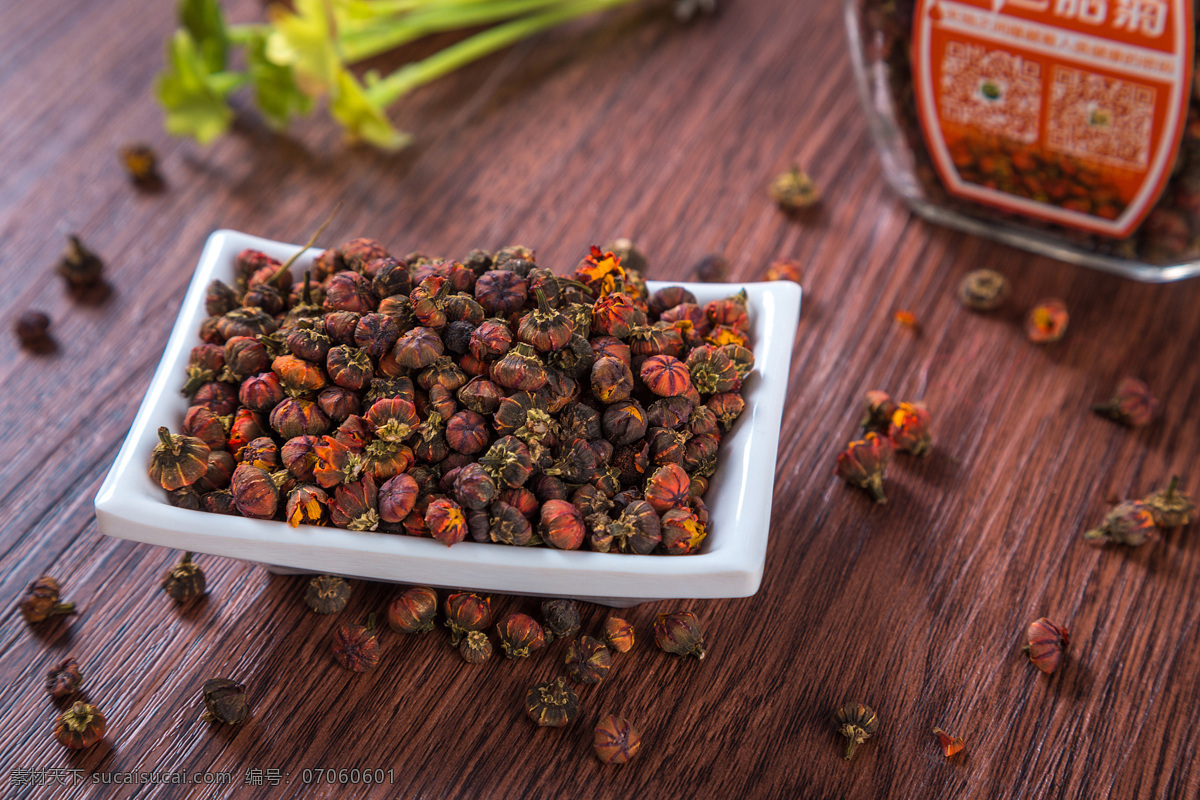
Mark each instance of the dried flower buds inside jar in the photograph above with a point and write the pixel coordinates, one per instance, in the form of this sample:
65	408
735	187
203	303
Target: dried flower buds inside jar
989	122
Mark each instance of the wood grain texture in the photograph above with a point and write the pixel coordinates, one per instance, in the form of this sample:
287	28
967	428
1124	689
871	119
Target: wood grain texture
630	125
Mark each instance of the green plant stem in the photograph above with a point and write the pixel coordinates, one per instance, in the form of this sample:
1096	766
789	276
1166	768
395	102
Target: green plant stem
387	33
387	90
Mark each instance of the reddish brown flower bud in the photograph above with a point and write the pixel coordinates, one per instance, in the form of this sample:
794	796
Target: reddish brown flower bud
1132	405
1130	523
466	611
618	634
879	410
261	452
178	460
520	635
682	531
254	493
41	601
667	488
354	506
561	618
501	292
612	380
355	646
624	422
1170	507
1047	321
857	722
911	428
349	291
507	525
327	594
561	525
520	369
1047	641
307	505
475	647
666	376
615	741
349	367
64	679
680	633
418	348
864	463
80	726
467	432
184	581
446	522
552	704
588	660
397	498
413	611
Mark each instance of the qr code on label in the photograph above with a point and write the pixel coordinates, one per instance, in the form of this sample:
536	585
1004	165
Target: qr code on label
1105	119
991	90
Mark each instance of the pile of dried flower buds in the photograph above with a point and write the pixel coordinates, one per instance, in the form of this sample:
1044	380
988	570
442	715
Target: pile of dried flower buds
486	398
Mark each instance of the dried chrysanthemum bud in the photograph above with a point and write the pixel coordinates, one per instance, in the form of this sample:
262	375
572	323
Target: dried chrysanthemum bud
983	290
178	460
615	741
327	594
1129	523
588	660
561	525
81	268
41	601
666	376
1047	321
224	701
33	331
355	646
1171	508
254	492
64	679
618	634
466	611
951	745
1047	641
879	410
1132	405
667	488
508	525
355	505
475	647
552	704
446	522
911	429
141	165
80	726
520	635
561	618
682	531
184	581
680	633
794	190
864	463
413	611
307	505
857	722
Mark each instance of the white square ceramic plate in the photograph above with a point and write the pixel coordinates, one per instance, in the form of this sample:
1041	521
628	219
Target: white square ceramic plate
730	563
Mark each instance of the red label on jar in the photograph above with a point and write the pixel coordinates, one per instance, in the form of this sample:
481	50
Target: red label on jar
1062	110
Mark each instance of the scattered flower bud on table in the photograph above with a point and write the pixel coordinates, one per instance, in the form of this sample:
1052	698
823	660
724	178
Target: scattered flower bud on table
475	647
877	416
1131	405
680	633
327	594
141	165
466	611
413	611
224	701
80	268
983	290
33	330
618	634
520	635
552	704
1047	641
1170	507
41	601
1047	322
561	619
80	726
588	660
615	741
184	581
864	463
857	722
356	647
911	429
794	190
1130	523
64	679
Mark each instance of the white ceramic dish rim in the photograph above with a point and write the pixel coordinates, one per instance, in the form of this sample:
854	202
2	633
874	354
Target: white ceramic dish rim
130	506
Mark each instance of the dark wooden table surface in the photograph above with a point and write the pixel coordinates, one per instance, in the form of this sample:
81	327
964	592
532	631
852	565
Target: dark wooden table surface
630	125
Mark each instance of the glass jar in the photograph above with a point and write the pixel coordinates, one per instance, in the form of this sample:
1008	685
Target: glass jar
1070	128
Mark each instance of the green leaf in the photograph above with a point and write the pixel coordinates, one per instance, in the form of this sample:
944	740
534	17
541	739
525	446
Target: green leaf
275	89
303	41
362	119
203	20
194	99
